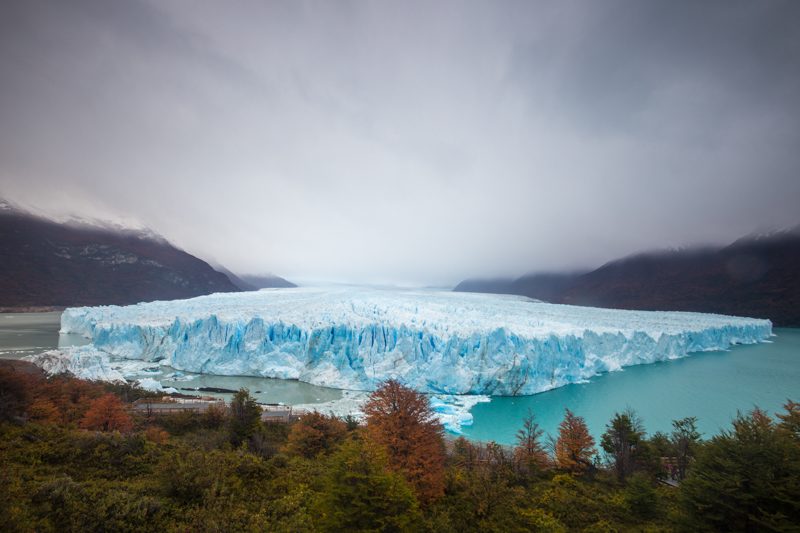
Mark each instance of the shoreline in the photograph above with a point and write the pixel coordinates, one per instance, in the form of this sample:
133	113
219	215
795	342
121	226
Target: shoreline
32	309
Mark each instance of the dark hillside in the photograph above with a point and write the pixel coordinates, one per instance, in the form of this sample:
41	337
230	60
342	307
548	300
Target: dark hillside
755	276
45	263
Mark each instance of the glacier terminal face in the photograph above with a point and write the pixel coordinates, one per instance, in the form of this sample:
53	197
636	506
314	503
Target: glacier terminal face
435	342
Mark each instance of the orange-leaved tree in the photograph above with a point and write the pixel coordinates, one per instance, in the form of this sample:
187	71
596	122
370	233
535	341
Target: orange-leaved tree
401	420
45	410
72	397
314	434
574	448
107	413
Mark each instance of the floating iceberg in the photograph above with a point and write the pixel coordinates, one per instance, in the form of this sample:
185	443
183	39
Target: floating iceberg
453	411
87	362
436	342
84	362
154	385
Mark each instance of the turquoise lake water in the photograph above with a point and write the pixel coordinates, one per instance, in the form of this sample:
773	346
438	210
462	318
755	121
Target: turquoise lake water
710	386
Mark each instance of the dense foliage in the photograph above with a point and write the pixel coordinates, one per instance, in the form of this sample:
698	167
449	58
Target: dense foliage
74	457
574	448
401	421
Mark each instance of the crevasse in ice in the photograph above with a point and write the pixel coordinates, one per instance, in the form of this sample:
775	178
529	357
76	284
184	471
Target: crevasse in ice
433	341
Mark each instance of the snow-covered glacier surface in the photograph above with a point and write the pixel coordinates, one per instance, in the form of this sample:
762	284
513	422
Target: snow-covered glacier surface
435	342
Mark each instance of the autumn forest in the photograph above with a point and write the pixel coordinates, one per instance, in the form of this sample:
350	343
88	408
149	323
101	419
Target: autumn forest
74	456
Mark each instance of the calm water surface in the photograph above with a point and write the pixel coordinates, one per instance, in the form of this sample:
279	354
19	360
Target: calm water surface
711	386
23	334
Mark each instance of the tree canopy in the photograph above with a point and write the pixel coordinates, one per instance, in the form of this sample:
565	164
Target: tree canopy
746	479
70	462
400	419
574	448
107	413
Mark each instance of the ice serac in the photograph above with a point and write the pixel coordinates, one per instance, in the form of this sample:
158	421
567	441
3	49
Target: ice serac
84	362
436	342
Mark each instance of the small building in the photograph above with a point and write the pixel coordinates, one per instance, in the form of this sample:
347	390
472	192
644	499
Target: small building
167	406
276	412
271	412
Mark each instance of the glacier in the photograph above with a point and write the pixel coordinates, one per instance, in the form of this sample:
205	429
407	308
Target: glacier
87	362
433	341
84	362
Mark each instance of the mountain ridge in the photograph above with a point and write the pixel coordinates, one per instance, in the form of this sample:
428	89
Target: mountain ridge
51	264
757	276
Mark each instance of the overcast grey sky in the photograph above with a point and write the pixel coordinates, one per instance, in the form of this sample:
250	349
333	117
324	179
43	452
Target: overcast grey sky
418	142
